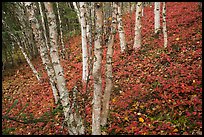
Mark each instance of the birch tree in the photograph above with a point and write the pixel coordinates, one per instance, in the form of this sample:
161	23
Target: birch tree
137	40
84	41
31	8
74	121
156	17
81	12
96	113
109	75
61	34
29	62
42	21
22	50
25	28
121	29
89	19
19	14
164	24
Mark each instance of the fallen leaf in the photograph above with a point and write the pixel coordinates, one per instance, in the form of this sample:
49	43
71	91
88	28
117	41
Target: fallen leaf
126	118
175	130
141	119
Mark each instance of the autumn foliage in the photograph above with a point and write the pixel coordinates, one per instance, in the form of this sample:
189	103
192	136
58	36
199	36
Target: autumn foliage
156	90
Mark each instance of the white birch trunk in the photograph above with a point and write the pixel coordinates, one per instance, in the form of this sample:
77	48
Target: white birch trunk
30	64
88	18
81	17
74	121
42	47
133	7
137	40
77	11
23	51
142	9
164	24
21	15
61	35
96	114
109	75
121	29
43	27
84	42
156	17
89	36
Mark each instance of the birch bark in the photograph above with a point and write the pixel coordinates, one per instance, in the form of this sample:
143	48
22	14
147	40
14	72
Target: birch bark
156	17
22	49
164	24
121	29
84	41
109	75
61	35
81	13
137	40
29	62
96	114
31	8
74	121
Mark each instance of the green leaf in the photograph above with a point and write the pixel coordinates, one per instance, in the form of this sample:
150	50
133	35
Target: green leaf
23	109
14	104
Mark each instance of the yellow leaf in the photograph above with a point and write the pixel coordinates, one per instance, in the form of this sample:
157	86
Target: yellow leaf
141	119
177	39
110	18
126	118
144	133
175	130
113	100
134	105
141	107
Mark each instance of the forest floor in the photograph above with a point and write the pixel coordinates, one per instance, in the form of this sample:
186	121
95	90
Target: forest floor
156	90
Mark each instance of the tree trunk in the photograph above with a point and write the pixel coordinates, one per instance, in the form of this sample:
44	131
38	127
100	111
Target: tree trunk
156	17
133	7
23	51
77	11
89	38
121	29
25	27
29	62
96	114
64	56
42	47
109	76
84	42
47	43
74	121
137	40
164	24
81	17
